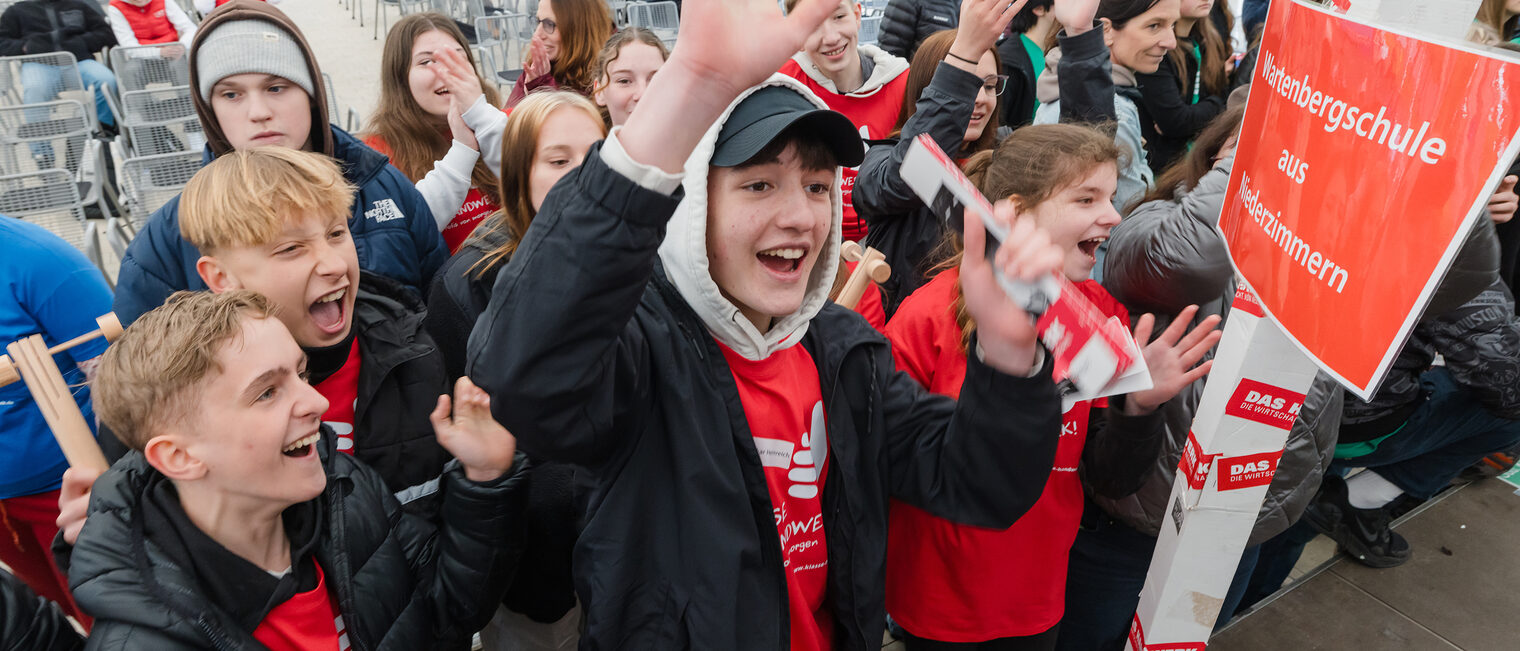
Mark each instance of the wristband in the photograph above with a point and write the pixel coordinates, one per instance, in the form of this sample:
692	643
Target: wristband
962	58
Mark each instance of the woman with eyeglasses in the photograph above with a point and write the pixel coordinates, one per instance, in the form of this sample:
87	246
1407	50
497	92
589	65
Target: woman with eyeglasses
567	37
951	95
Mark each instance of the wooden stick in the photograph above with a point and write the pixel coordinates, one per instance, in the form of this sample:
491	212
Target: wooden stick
110	328
56	402
872	267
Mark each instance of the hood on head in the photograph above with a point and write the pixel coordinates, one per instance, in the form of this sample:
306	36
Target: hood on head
684	253
216	140
888	67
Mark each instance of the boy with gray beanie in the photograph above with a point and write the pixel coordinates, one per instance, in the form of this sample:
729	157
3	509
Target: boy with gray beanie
256	83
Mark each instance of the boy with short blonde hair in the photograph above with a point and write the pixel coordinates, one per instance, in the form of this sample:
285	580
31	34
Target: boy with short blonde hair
236	523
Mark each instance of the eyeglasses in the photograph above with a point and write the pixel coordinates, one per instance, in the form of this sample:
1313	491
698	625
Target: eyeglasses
548	24
995	84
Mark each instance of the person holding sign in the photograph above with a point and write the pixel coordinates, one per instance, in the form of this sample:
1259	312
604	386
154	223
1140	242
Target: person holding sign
667	326
956	586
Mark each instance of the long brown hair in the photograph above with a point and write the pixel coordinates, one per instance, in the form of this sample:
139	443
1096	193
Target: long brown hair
1185	173
930	53
417	140
519	146
1213	51
1028	167
584	26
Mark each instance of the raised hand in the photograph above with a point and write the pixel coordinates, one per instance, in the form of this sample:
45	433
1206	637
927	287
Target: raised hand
459	77
74	501
1005	332
1172	356
1075	16
538	63
481	444
1504	202
982	24
457	128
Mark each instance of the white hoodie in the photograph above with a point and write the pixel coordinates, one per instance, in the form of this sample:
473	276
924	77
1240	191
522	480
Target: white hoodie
684	254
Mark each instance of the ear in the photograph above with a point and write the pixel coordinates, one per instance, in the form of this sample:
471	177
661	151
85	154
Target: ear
1108	31
216	275
1039	12
597	94
168	455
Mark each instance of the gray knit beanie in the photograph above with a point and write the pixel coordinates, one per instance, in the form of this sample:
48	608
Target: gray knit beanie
243	46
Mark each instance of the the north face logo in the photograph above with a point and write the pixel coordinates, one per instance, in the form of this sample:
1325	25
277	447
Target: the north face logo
1265	404
383	211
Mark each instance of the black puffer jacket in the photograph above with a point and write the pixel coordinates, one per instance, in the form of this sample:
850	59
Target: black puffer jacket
1165	256
901	226
906	23
42	26
398	582
30	623
607	365
1169	118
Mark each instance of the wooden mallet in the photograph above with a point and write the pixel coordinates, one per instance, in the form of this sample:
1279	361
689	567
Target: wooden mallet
32	361
872	267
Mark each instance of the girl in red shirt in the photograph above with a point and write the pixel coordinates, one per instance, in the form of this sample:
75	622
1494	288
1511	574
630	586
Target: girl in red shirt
958	586
439	123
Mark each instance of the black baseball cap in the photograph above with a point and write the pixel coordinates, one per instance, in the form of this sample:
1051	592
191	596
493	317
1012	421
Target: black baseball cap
769	112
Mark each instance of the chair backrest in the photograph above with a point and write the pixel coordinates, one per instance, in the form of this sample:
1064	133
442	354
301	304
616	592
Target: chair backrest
144	66
35	137
503	41
333	115
662	18
48	75
870	30
161	121
148	182
873	7
48	198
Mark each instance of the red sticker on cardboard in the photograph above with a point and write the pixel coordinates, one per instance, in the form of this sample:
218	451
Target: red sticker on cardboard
1137	641
1247	302
1194	464
1247	471
1265	404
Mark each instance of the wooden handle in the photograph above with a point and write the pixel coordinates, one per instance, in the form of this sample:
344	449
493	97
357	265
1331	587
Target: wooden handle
851	252
56	402
872	267
110	328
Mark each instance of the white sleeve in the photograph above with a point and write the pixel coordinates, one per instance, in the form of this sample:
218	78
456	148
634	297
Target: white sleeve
648	177
125	37
488	123
181	21
445	186
206	6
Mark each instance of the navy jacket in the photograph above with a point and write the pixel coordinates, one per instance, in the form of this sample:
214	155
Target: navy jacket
393	230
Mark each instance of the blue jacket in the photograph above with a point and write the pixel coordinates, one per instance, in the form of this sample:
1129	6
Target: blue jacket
393	230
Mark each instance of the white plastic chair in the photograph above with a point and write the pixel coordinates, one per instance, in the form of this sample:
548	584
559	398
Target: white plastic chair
503	42
870	30
662	18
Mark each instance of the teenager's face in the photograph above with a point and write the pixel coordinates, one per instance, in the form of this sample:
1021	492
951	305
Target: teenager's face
256	109
766	225
627	77
1145	39
1079	217
425	77
1196	9
831	47
986	97
541	33
258	419
562	144
310	271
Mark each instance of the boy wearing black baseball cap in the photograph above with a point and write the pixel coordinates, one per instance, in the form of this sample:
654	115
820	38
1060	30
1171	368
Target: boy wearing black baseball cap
665	324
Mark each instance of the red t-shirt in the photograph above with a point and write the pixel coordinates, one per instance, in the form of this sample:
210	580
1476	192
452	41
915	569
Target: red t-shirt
342	392
308	621
956	583
874	114
783	404
475	209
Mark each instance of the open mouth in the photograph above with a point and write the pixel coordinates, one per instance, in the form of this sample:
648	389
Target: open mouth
303	447
782	260
441	91
839	51
1089	248
327	311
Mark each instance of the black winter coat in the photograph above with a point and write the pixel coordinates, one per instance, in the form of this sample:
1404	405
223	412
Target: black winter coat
399	582
1018	101
42	26
1168	117
906	23
901	226
30	623
605	365
543	588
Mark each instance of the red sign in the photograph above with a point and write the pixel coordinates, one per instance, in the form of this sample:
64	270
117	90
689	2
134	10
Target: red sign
1247	471
1265	404
1246	302
1364	155
1194	463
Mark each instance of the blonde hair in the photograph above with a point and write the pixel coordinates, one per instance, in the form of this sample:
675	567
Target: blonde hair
148	378
519	146
245	197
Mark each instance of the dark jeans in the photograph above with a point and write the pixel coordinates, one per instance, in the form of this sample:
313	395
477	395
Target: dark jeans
1038	642
1277	558
1446	434
1104	576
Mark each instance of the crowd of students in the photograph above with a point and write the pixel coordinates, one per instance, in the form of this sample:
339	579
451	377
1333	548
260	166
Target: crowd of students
564	368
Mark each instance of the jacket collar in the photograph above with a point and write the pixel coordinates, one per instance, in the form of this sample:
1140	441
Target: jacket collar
887	67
